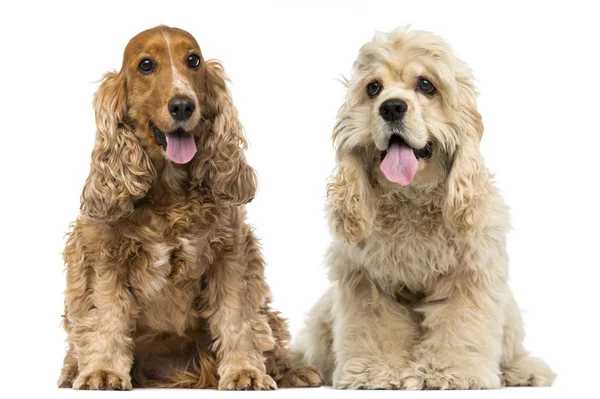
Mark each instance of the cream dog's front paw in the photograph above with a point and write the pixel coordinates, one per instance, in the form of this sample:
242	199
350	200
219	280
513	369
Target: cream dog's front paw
370	373
438	374
527	371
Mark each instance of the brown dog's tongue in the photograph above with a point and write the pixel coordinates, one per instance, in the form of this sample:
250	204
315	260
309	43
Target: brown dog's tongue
181	147
400	164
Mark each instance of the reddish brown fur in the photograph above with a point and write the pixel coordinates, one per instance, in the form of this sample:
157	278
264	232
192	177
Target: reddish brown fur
165	280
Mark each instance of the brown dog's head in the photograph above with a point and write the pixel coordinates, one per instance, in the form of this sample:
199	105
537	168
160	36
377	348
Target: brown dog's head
165	84
166	105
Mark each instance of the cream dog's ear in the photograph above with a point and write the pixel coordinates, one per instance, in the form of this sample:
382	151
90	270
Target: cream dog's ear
350	202
468	181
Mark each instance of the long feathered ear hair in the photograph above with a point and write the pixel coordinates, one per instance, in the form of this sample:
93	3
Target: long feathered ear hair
121	171
221	165
350	202
469	183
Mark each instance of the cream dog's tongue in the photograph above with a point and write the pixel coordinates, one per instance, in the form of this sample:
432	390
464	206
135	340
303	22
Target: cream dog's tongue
400	164
180	147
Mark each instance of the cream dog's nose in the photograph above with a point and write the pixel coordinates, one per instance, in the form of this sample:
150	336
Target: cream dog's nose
393	110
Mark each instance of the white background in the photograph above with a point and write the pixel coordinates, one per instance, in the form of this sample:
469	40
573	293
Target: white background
537	67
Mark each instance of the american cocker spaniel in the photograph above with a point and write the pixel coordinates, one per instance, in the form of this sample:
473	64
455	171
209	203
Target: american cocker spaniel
165	280
419	296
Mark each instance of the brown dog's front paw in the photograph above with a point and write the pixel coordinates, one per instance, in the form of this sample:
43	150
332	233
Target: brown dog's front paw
246	380
103	381
301	377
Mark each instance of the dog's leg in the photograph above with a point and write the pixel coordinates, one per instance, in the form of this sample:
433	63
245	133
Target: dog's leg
373	335
99	311
278	361
462	336
235	295
518	367
314	344
70	369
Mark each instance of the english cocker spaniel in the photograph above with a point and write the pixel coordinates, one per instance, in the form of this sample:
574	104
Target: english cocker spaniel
165	280
419	297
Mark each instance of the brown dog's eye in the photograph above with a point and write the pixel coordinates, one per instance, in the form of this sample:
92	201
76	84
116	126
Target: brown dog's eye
193	61
146	65
426	87
374	88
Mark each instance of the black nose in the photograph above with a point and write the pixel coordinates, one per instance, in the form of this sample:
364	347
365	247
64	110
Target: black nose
181	108
393	110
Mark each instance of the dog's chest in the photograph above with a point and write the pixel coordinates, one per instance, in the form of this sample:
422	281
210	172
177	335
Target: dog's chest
412	251
166	281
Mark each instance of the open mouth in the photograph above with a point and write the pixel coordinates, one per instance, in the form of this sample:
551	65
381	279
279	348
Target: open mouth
179	145
399	163
423	153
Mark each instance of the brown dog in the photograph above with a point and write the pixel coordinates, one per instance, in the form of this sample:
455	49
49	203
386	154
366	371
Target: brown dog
165	280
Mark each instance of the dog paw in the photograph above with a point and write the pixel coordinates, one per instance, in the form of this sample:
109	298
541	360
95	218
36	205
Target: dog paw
102	381
246	380
67	377
301	377
440	375
370	374
527	371
65	382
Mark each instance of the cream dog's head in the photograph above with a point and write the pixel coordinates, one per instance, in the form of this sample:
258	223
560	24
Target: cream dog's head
409	125
410	106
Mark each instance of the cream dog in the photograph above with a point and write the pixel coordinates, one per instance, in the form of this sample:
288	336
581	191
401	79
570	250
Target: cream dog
419	296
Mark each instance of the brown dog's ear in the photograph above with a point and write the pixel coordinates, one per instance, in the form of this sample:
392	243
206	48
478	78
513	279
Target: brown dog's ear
350	201
121	171
221	164
469	183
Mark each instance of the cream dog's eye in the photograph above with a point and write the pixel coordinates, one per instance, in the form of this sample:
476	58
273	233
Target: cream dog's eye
426	87
193	61
374	88
146	65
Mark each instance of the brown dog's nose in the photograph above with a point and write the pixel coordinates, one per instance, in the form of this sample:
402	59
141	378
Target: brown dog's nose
181	108
393	110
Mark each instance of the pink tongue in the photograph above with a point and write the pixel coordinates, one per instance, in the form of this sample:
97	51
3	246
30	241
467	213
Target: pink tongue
180	147
400	164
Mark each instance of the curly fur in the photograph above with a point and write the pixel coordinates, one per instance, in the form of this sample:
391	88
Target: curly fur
165	280
419	296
